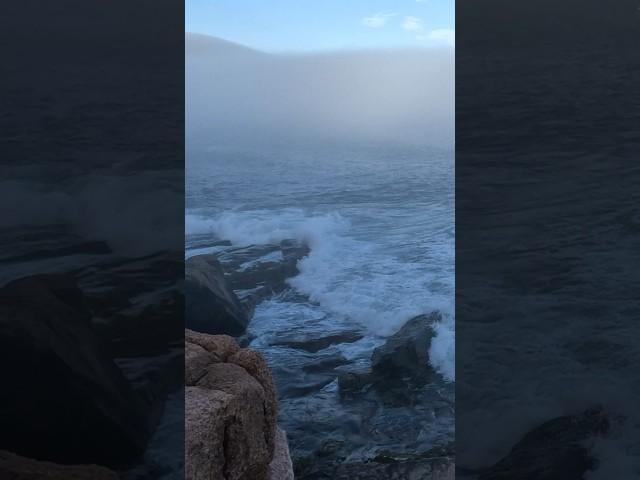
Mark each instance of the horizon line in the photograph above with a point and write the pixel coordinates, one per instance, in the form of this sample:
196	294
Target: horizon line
325	51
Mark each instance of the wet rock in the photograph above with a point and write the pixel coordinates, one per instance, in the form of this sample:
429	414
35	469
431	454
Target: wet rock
250	298
64	399
329	447
260	272
211	305
304	388
240	258
15	467
326	364
446	451
271	275
556	450
404	356
355	381
421	469
292	249
244	258
407	351
314	345
303	380
230	412
331	460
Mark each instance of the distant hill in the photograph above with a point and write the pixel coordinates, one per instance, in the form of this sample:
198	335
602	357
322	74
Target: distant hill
205	45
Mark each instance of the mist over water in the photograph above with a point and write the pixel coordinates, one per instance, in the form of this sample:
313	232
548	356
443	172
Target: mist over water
238	96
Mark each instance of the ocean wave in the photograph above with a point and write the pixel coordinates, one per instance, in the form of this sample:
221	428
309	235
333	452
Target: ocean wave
352	279
261	227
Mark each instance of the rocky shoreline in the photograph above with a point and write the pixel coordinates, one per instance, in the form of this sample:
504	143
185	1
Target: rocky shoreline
88	331
397	387
374	420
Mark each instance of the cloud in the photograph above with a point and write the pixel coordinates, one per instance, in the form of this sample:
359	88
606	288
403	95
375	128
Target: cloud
443	36
412	24
377	20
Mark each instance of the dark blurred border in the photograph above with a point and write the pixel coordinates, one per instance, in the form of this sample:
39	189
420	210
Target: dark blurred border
92	233
547	236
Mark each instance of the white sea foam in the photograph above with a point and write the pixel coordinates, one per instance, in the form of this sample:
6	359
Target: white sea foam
442	354
355	281
261	227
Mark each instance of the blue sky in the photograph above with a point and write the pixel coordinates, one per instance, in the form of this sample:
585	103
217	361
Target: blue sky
320	25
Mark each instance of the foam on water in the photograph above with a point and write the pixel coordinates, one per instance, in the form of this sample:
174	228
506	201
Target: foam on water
350	281
442	353
260	227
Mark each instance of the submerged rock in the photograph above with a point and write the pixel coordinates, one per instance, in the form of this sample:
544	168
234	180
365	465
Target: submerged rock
63	397
15	467
314	345
355	381
211	306
230	413
306	387
419	469
326	364
555	450
307	378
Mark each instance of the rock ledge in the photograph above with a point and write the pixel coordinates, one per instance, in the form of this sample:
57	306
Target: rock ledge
230	413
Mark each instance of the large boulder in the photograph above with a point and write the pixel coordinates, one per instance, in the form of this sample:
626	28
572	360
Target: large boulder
15	467
315	344
63	398
404	355
211	306
407	351
230	412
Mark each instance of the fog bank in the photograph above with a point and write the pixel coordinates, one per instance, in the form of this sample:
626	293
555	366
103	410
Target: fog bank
236	94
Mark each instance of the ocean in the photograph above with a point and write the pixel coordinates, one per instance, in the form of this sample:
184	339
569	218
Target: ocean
379	222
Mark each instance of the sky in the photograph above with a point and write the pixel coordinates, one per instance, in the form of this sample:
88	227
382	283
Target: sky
324	25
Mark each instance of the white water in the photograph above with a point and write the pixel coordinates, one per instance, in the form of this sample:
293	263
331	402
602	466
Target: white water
382	247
